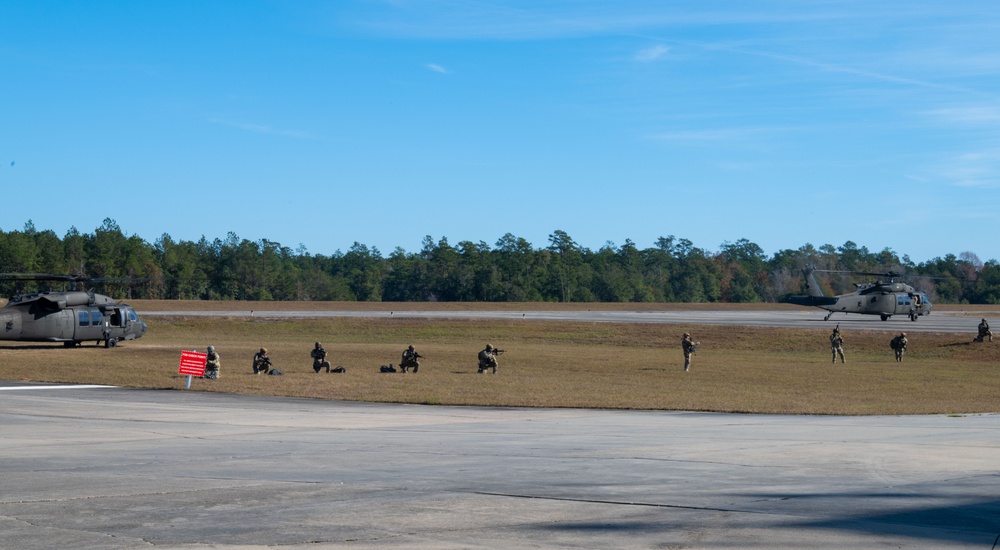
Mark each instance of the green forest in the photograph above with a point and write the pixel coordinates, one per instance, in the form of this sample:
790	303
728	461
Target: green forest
510	270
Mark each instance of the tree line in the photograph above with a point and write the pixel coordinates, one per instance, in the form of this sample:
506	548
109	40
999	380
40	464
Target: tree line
510	270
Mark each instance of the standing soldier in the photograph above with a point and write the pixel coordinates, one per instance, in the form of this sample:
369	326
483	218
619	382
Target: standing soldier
837	345
984	331
212	364
898	345
410	357
688	346
488	358
319	358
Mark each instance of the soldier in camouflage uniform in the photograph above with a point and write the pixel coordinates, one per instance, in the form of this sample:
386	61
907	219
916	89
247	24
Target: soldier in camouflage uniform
837	345
898	345
488	359
319	358
984	332
409	359
688	347
261	362
212	364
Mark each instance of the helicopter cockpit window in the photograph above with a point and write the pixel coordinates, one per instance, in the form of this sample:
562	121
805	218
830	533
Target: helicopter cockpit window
132	315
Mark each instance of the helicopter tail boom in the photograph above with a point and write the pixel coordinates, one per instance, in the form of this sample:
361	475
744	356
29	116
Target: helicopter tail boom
812	301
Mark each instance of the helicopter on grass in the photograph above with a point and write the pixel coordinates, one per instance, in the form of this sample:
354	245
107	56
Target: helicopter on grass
885	297
71	317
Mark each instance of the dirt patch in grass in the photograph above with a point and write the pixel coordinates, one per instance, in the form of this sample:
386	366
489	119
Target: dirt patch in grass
547	364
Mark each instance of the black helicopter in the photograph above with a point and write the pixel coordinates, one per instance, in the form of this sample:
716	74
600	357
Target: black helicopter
71	317
885	298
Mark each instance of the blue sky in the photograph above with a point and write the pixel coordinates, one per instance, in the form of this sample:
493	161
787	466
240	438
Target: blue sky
322	124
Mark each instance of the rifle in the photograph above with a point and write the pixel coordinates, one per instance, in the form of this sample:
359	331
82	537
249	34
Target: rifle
498	351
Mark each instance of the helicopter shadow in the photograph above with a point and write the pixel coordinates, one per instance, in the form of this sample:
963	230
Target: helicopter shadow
49	347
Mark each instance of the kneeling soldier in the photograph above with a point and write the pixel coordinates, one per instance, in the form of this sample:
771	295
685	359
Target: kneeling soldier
409	359
319	358
261	362
984	332
488	359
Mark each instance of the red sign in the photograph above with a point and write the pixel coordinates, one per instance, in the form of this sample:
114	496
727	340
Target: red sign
193	363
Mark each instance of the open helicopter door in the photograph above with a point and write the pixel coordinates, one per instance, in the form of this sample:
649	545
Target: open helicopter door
118	318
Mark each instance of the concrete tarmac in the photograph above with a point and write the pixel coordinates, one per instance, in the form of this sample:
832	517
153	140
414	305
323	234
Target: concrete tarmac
112	468
952	321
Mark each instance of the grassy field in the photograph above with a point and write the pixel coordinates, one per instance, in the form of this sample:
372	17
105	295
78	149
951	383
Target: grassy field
547	364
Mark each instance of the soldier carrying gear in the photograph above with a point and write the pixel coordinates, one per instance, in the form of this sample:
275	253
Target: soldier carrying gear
488	359
319	358
898	345
688	346
984	332
410	357
261	362
837	345
212	364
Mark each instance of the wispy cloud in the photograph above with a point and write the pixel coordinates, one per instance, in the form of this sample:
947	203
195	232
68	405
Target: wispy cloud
841	68
711	135
437	68
979	165
652	53
968	116
532	21
975	169
263	129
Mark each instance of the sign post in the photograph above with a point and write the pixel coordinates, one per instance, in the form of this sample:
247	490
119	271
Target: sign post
192	364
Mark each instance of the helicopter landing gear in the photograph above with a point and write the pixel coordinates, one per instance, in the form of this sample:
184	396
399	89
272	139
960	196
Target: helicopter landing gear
111	343
827	318
913	317
884	317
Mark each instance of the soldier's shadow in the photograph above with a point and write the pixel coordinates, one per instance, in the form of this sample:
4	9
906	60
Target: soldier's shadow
958	344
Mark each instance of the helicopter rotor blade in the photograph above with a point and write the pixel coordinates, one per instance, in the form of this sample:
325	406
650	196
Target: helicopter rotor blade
886	274
40	277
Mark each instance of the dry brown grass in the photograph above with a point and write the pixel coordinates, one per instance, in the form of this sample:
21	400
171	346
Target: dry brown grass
246	306
548	364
